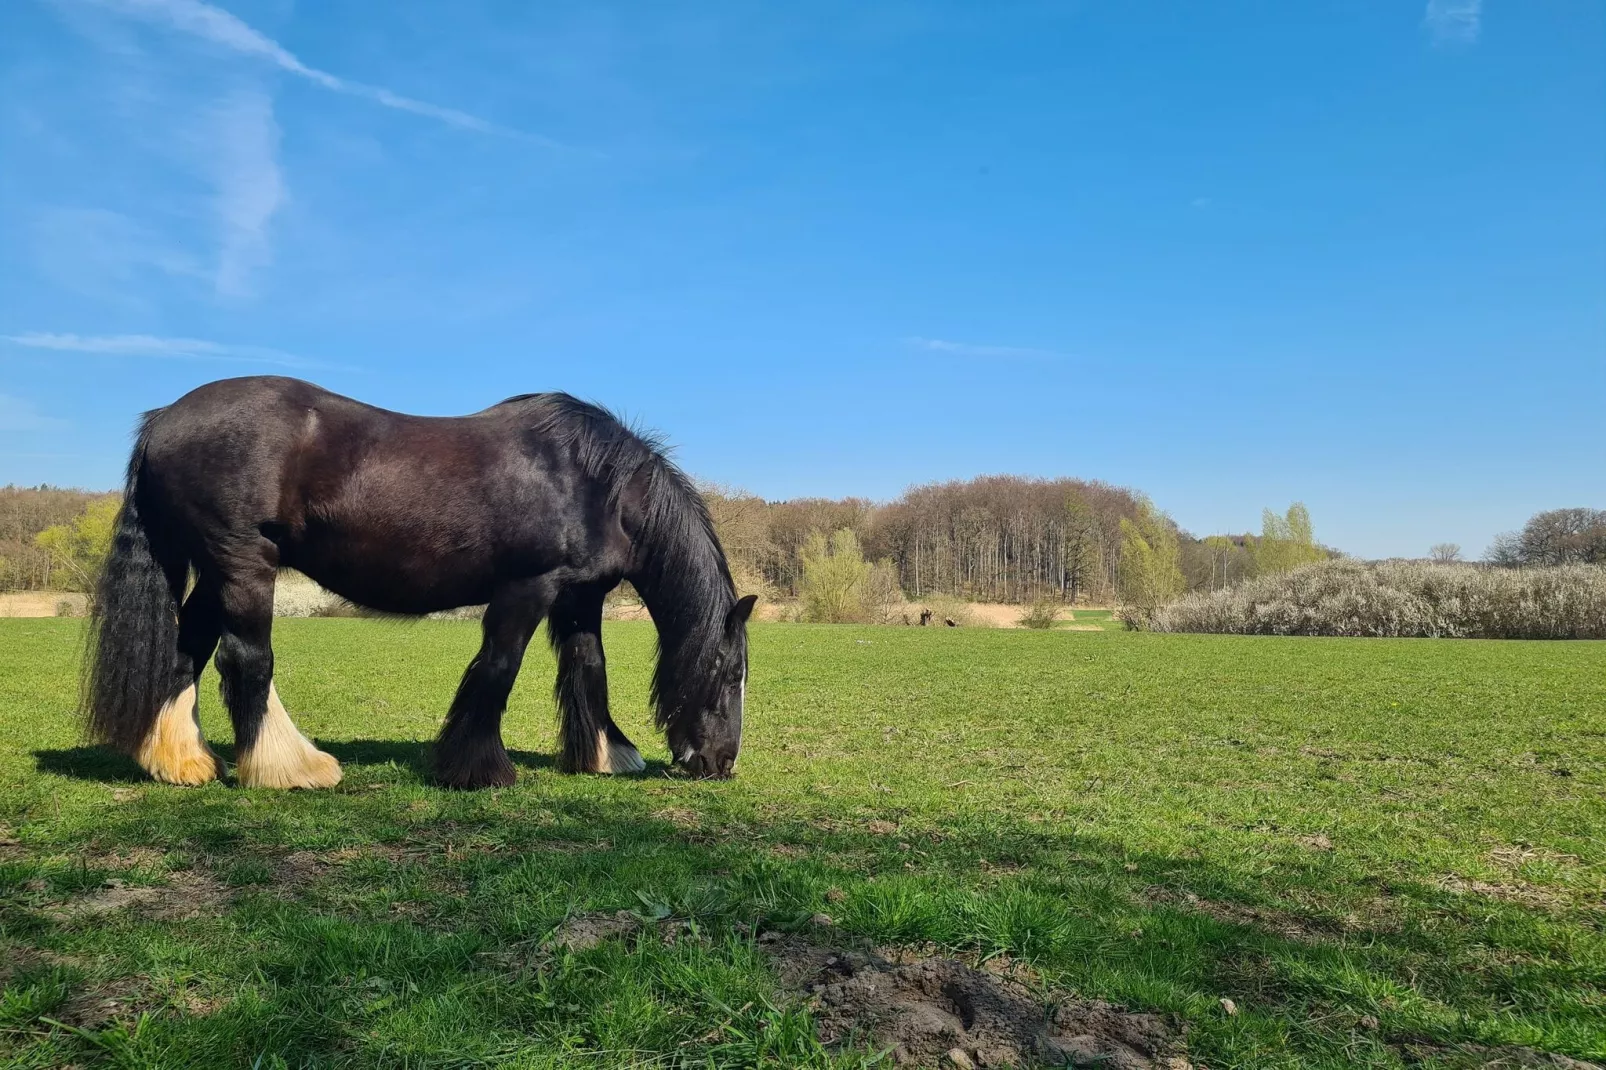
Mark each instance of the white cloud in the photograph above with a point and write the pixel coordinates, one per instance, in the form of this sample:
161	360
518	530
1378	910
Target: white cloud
19	415
250	187
224	30
1454	22
968	349
105	254
146	345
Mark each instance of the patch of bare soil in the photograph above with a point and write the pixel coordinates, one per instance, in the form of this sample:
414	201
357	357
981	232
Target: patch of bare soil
42	604
18	960
185	895
1518	892
300	869
97	1006
582	932
1284	924
941	1012
1507	1057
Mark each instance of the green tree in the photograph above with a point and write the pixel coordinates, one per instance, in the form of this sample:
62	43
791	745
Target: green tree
835	577
1285	542
1150	572
79	547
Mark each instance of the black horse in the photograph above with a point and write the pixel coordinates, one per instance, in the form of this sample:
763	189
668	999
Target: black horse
535	508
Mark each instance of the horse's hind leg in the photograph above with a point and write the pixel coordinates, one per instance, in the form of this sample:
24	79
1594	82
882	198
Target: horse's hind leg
269	751
588	740
174	750
469	753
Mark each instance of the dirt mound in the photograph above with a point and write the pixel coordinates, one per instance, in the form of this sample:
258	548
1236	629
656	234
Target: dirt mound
941	1012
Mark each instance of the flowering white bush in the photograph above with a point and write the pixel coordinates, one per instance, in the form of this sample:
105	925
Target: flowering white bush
1401	598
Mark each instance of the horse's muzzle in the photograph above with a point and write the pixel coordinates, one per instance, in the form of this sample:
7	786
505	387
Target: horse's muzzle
717	767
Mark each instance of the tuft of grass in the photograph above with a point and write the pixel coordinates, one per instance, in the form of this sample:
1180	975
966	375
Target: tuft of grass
1385	853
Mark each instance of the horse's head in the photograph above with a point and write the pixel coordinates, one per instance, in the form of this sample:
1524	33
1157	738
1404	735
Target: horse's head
706	741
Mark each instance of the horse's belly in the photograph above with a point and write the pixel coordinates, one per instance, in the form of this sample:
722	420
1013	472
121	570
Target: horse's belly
396	575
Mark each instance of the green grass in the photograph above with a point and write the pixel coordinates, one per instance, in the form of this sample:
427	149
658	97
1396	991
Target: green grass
1104	618
1326	832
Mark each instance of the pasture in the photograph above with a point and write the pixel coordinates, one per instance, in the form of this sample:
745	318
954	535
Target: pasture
1382	853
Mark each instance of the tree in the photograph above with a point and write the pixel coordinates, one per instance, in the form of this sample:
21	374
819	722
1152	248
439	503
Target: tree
1150	571
1445	553
1080	542
1505	551
1564	537
1285	542
79	547
835	575
741	521
1225	551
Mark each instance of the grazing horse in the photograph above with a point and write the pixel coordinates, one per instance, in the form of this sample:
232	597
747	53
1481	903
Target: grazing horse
535	508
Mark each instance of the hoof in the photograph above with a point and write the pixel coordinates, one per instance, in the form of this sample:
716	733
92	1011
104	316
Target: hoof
191	771
313	768
475	779
487	769
617	758
174	751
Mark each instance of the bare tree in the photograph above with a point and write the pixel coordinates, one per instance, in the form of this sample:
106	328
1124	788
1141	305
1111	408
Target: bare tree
1565	537
1445	553
1505	551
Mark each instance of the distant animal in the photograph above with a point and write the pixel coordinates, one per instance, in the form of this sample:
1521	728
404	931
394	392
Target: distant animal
925	617
950	622
536	507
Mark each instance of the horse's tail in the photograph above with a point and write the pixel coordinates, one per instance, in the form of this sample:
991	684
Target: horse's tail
133	639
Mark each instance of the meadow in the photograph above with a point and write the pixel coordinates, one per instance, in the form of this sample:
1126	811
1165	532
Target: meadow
1307	852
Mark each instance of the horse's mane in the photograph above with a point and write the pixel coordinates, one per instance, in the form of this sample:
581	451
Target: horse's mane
680	568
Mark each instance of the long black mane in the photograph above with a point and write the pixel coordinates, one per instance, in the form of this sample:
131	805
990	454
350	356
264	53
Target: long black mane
679	567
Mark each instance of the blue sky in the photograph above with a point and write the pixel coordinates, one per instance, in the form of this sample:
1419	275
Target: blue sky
1231	254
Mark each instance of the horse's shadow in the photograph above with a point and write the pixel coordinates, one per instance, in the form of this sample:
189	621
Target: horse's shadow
104	765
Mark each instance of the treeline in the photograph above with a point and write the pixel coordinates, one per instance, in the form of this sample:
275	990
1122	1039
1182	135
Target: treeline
1006	539
992	539
25	514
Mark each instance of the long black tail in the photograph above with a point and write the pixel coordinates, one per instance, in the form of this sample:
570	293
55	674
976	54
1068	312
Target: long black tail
133	640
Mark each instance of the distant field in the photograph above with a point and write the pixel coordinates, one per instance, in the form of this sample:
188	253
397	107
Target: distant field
1103	618
1384	853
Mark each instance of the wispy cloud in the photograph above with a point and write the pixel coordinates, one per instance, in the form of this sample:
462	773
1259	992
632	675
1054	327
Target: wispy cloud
250	187
218	27
19	415
1454	22
969	349
152	346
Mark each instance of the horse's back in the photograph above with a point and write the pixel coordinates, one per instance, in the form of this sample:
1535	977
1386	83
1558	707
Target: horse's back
395	511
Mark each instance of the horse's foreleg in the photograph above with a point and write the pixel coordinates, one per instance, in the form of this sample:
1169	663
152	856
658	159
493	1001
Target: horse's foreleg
174	750
588	740
270	752
469	753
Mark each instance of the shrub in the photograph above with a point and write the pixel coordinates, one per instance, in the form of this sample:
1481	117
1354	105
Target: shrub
882	600
1150	572
78	547
1040	614
1405	599
834	577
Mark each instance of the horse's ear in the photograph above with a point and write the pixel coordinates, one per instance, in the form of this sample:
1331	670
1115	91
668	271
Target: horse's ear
739	614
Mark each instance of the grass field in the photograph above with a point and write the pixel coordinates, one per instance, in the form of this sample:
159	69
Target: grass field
1384	853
